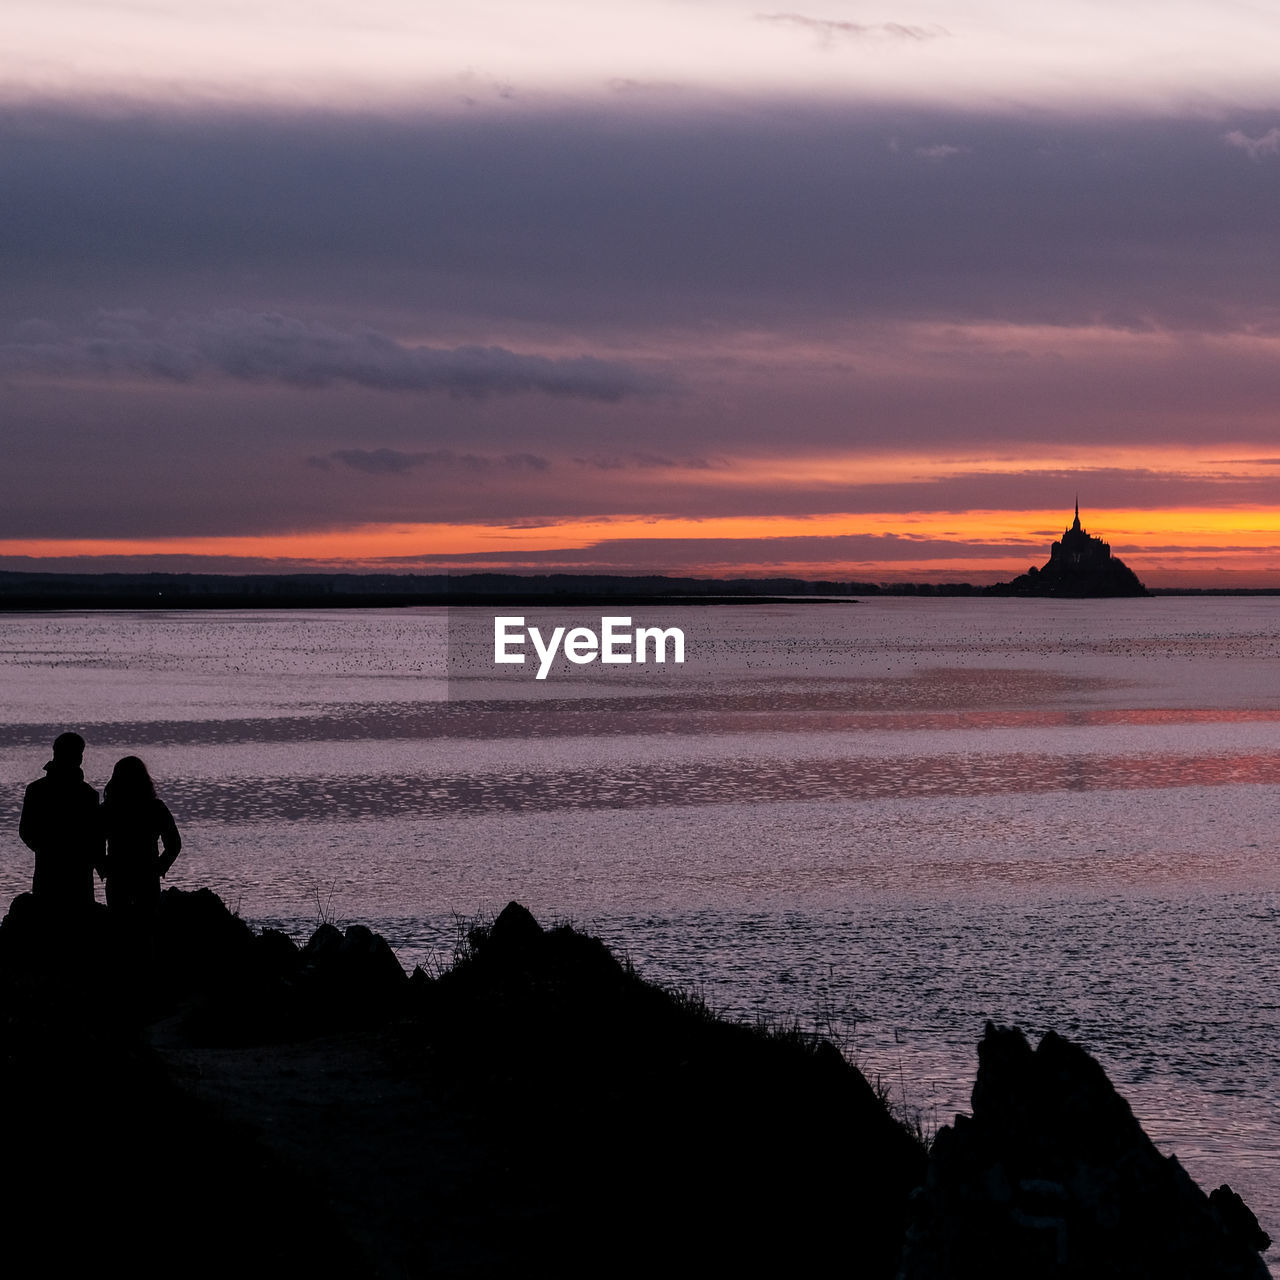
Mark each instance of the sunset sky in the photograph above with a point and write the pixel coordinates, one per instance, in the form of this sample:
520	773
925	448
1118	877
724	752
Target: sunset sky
847	290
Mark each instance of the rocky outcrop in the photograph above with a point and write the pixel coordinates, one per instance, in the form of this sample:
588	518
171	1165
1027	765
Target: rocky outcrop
1106	578
537	1106
110	1167
637	1116
1052	1176
562	1111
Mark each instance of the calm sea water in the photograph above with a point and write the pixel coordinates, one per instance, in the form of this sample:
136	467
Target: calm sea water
893	820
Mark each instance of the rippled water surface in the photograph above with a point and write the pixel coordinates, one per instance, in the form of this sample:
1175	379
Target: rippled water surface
894	819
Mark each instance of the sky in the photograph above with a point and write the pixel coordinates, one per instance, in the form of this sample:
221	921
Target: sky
855	290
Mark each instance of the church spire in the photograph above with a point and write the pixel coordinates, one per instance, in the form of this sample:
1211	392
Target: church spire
1076	524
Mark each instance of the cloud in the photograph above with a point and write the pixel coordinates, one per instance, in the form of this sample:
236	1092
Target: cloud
388	462
610	222
623	554
829	30
1267	144
270	347
649	461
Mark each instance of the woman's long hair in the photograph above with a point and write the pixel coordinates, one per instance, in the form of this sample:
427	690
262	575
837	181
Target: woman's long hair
130	783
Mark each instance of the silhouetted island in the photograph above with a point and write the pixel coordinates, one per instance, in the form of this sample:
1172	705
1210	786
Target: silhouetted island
225	1102
1079	565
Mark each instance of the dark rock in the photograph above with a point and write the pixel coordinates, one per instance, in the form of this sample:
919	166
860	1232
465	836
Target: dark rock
201	917
136	971
359	958
347	979
1238	1219
632	1114
323	945
198	934
370	962
1054	1177
55	939
278	992
277	954
515	930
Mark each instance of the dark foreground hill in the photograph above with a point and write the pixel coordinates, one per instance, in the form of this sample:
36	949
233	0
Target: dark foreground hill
214	1101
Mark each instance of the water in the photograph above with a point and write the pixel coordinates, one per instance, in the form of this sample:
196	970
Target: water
894	819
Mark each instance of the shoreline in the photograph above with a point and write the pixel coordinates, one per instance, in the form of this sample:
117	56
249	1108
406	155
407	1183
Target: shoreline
38	591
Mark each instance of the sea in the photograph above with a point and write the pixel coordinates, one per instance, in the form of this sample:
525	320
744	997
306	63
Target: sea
887	820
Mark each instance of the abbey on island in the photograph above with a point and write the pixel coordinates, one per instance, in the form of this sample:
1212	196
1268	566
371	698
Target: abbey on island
1079	565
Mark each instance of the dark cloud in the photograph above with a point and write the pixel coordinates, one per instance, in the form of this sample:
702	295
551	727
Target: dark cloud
649	461
384	462
275	348
722	214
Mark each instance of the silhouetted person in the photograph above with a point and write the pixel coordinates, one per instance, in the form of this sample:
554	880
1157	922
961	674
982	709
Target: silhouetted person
60	825
138	826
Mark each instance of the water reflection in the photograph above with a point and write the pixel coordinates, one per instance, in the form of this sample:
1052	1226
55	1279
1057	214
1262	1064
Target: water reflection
693	782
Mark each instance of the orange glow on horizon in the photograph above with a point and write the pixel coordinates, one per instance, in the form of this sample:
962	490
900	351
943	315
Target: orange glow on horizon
1164	542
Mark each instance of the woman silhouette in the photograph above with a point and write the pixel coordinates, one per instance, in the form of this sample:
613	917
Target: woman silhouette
136	824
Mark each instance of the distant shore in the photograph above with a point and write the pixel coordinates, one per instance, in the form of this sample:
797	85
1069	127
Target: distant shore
26	592
374	600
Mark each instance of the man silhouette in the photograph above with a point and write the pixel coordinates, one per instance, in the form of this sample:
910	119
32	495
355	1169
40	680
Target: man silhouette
61	826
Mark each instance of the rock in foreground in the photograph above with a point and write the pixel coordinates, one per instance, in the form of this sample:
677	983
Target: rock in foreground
1053	1177
654	1138
536	1109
